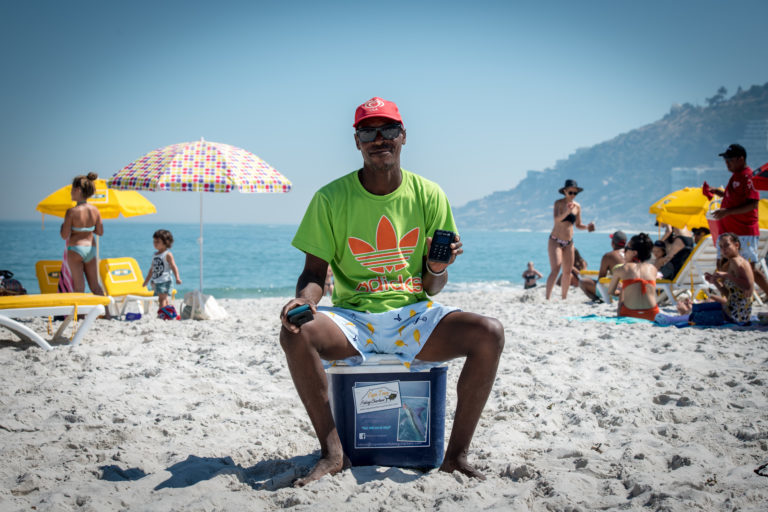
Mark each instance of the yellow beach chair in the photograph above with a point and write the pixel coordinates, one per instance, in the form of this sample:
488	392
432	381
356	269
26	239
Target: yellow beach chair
123	281
48	274
72	305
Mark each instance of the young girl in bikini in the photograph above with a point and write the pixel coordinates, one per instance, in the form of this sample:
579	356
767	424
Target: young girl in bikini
81	222
567	214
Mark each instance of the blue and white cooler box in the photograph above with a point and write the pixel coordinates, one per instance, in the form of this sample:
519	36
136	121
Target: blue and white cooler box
387	415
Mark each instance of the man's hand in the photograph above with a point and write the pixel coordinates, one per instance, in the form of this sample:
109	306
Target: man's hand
294	303
720	213
456	249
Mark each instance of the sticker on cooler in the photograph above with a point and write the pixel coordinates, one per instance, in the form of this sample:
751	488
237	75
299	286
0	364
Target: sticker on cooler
377	397
385	421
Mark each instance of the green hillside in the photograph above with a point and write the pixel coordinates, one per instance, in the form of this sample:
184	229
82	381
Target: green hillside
624	175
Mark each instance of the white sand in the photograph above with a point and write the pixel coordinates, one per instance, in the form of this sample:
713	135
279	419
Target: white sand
583	416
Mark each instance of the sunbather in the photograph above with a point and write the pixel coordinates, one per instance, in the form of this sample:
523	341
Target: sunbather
736	285
678	246
609	260
530	276
638	280
567	214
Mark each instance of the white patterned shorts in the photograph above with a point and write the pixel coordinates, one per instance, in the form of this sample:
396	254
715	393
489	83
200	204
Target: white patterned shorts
401	332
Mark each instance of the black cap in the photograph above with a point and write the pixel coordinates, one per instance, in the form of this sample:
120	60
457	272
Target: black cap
734	151
659	243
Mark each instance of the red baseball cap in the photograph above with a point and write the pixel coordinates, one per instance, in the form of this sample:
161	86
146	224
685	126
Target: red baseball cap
377	107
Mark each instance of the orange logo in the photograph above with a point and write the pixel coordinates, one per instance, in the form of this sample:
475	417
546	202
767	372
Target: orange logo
390	254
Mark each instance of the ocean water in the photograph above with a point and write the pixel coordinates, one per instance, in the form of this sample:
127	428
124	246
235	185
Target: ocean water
257	260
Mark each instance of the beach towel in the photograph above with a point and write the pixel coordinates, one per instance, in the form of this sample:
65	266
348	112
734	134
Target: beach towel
65	277
609	319
680	321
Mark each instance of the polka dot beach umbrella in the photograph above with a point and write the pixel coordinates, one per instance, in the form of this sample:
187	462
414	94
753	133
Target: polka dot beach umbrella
200	166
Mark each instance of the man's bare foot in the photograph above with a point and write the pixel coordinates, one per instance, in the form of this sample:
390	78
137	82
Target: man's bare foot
328	465
461	465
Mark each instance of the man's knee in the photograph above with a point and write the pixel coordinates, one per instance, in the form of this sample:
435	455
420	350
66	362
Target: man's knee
492	333
290	341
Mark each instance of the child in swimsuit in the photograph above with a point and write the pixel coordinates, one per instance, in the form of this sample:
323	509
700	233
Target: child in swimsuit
163	265
530	276
81	223
638	280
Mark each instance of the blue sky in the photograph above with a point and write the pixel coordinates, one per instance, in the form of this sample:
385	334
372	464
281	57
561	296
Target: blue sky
488	90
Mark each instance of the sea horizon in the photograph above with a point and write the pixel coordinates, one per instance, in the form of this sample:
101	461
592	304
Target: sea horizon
257	260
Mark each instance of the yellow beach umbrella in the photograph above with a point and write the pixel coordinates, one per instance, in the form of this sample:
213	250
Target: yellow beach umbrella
688	200
688	207
111	203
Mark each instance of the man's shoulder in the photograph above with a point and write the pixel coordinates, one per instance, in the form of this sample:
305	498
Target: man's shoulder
610	259
417	181
613	255
743	176
339	183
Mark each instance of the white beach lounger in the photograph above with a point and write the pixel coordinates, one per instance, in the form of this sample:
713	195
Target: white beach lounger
72	305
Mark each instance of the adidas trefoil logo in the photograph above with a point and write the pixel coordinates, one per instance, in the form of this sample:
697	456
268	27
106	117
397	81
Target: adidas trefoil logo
390	254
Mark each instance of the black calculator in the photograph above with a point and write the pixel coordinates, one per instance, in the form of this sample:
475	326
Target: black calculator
440	250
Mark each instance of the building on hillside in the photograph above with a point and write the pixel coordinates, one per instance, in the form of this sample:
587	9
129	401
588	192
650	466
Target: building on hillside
755	141
681	177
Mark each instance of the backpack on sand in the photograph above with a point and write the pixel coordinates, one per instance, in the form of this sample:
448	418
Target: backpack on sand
9	286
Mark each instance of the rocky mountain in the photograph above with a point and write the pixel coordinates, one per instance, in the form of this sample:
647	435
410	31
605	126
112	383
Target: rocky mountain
625	174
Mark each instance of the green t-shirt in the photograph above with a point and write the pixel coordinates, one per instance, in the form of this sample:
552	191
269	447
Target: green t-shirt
374	244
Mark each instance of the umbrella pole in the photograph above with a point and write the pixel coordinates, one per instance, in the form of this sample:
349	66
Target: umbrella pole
201	241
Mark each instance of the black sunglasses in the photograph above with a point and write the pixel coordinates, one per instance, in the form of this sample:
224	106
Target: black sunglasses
628	248
572	193
388	132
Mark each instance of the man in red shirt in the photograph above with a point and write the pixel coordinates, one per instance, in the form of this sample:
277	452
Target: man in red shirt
738	209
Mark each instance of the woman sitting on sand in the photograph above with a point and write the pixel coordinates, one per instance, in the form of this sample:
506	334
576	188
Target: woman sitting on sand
638	280
567	214
737	284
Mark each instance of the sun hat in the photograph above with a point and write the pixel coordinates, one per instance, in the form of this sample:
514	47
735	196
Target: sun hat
569	184
377	107
734	151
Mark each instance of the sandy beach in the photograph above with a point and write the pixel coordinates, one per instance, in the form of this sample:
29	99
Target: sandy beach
202	415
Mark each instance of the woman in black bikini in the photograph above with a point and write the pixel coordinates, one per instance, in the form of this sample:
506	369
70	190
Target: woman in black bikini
567	214
531	275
